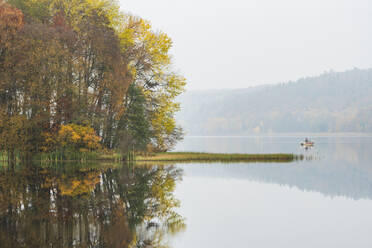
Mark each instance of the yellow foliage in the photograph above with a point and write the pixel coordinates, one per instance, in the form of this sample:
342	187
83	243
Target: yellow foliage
78	186
82	138
49	142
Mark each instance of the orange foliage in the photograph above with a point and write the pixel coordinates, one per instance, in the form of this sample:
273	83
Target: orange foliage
11	20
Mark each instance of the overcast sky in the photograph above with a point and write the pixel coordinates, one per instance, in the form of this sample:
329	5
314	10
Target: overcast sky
242	43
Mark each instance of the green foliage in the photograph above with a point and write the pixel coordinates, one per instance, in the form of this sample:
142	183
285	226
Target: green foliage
34	10
134	127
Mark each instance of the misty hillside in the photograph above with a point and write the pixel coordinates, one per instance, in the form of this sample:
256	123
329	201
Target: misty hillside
331	102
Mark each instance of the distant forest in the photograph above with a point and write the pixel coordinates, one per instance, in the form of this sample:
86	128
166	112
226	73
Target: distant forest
331	102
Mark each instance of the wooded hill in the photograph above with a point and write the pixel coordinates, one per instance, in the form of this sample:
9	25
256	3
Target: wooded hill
331	102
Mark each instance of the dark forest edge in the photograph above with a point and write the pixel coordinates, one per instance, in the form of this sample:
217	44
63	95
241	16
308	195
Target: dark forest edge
80	78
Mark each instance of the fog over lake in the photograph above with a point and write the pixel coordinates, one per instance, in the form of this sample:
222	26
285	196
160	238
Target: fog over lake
323	202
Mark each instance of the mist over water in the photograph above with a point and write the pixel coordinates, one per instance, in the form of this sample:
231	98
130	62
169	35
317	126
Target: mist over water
324	202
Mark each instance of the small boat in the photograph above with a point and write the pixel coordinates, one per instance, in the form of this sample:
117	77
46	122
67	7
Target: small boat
307	143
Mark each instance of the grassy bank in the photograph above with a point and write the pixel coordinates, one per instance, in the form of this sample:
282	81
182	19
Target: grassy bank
217	157
166	157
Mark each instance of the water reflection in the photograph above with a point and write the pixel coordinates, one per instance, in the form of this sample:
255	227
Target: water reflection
88	206
317	176
339	166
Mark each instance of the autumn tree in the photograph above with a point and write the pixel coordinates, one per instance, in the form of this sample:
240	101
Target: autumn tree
72	62
151	72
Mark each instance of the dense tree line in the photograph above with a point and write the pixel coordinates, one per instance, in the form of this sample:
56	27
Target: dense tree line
83	64
331	102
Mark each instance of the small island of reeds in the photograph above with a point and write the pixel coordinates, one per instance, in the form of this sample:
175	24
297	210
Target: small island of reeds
186	157
164	157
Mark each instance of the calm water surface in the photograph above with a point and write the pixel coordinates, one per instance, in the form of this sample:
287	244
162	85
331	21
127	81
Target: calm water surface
323	202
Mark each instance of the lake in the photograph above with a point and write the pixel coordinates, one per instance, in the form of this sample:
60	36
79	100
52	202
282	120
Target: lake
322	201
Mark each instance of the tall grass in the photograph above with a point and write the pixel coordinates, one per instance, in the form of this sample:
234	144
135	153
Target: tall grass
66	156
56	156
3	156
112	156
219	157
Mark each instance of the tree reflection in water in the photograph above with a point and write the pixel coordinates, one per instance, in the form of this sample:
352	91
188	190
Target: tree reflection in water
81	206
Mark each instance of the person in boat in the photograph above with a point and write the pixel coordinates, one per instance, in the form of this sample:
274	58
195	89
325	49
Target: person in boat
306	140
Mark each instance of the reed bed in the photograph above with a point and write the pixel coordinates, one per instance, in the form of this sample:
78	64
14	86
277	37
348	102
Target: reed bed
166	157
217	157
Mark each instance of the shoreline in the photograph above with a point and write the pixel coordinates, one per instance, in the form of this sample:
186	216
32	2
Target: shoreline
186	157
